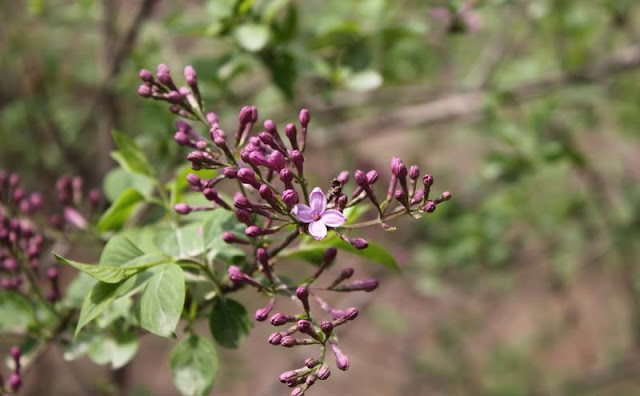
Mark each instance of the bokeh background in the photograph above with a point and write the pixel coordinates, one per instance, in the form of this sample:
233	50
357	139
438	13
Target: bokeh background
525	283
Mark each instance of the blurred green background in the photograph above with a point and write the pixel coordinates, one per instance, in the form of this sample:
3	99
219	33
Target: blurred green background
526	283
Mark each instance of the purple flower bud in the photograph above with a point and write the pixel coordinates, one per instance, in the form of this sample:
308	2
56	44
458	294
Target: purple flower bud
401	197
267	194
291	132
414	172
201	145
351	313
398	168
290	197
255	231
288	376
230	237
361	178
287	177
427	180
174	108
184	91
311	362
327	327
144	90
243	216
190	75
341	202
444	197
235	274
298	160
16	353
14	180
230	173
277	160
288	342
267	139
324	372
262	313
10	264
75	218
341	359
247	176
358	243
303	293
311	379
195	181
367	285
429	207
212	118
36	200
262	256
256	158
52	274
146	75
164	75
15	382
94	197
297	392
275	338
346	273
330	254
175	97
372	176
270	127
343	177
182	208
245	116
304	326
304	117
279	319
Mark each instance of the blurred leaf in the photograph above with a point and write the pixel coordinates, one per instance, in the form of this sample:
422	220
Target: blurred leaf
16	312
78	290
119	212
119	180
183	241
130	156
363	81
112	274
252	36
117	350
162	301
282	67
229	322
194	363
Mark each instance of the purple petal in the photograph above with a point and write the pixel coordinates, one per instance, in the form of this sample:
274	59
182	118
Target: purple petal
333	218
318	230
317	201
303	213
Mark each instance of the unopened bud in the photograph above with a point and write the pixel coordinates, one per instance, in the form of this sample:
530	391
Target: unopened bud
146	75
182	208
290	197
361	178
372	176
230	173
275	338
291	132
414	172
324	372
190	75
358	243
144	90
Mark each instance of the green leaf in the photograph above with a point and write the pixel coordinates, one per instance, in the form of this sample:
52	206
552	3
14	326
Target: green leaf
119	250
116	350
194	363
252	36
229	322
212	229
112	274
180	242
162	301
16	312
78	290
119	212
313	252
130	156
102	294
118	180
363	81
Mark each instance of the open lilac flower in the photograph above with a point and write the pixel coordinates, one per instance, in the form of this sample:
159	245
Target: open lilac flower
317	215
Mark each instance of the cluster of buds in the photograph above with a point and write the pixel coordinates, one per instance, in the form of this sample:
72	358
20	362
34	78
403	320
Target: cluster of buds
273	196
25	230
77	204
304	328
15	379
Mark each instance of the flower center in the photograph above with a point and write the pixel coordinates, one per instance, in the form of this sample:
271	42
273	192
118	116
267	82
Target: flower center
316	217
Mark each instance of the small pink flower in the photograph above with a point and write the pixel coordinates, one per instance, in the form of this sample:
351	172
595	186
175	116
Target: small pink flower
317	215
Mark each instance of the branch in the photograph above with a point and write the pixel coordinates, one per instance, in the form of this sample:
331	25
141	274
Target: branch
469	104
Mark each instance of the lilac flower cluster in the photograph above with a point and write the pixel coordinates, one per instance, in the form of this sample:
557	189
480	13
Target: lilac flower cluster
25	230
272	196
15	379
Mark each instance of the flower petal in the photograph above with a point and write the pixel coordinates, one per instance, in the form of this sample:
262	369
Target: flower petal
333	218
318	230
303	213
317	201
